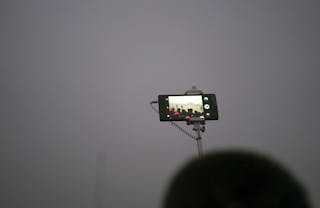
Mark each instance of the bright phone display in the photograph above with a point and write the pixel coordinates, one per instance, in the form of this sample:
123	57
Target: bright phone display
184	107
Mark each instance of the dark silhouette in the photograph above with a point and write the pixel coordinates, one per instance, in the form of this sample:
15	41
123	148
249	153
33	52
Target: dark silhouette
234	179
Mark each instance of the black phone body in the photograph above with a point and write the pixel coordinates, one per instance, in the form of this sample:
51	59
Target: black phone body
184	107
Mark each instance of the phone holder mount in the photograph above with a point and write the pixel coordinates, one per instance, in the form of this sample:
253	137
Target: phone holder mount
197	122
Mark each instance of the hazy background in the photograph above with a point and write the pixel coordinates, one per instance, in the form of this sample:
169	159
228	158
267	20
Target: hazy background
76	79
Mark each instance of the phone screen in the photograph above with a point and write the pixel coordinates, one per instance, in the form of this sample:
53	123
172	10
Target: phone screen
184	107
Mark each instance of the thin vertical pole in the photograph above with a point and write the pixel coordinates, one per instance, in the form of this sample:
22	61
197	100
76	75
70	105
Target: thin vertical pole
199	144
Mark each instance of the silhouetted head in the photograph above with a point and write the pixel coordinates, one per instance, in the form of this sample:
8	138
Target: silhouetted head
234	179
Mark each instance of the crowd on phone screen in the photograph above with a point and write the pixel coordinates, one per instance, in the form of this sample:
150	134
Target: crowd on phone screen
182	113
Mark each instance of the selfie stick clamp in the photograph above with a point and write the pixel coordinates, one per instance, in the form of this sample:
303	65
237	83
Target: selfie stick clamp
197	122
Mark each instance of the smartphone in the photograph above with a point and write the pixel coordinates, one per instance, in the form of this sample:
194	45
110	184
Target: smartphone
184	107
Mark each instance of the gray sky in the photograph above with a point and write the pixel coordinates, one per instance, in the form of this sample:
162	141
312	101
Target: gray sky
77	77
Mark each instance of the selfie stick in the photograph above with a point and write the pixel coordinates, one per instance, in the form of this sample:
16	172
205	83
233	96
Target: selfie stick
197	122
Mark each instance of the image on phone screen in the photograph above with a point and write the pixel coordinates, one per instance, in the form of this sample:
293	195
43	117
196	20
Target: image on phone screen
184	107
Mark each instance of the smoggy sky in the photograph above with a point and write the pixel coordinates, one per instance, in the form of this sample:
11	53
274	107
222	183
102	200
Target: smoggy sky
77	77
